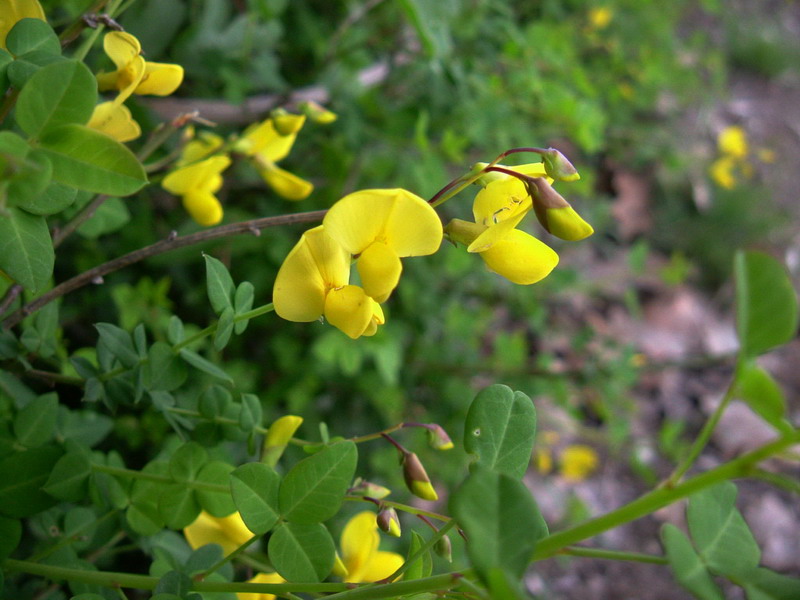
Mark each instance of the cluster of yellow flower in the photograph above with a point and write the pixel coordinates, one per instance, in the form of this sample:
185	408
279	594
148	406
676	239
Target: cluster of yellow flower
733	165
576	462
360	560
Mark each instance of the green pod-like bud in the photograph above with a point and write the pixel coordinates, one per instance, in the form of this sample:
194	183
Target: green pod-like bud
555	214
444	548
416	478
362	487
388	521
438	438
558	167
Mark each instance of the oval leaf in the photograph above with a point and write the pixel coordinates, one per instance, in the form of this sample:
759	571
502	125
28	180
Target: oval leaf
60	93
218	504
255	492
89	160
302	552
26	251
689	570
500	429
313	490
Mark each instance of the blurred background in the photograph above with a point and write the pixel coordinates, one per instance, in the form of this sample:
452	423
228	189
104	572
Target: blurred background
683	119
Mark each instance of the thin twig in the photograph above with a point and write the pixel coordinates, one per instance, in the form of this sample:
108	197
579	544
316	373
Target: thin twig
10	295
86	213
170	243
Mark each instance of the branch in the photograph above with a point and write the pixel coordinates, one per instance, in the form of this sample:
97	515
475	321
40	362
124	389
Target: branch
172	242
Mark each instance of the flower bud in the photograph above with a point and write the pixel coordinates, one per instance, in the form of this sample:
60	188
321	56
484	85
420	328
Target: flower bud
556	215
438	438
317	113
444	548
388	521
463	232
278	436
286	123
416	478
558	167
361	487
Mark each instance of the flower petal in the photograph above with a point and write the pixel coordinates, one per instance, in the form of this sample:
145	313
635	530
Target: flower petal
359	543
315	265
286	184
261	578
160	79
203	207
114	120
121	47
565	223
379	268
263	139
501	200
349	309
202	175
229	532
381	566
521	258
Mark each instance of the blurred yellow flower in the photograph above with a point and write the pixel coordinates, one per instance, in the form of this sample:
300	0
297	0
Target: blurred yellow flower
732	141
379	227
13	11
577	462
277	438
600	17
261	578
115	120
134	75
361	561
229	532
196	184
268	142
313	282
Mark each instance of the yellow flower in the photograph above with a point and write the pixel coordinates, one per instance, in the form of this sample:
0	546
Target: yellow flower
115	120
577	462
600	17
203	146
261	578
380	227
266	145
313	281
229	532
509	252
278	436
732	141
723	172
361	560
196	184
12	11
134	75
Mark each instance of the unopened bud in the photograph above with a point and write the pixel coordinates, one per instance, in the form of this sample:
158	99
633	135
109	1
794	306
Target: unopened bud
416	478
286	123
558	166
444	548
388	521
317	113
463	232
438	438
278	436
362	487
556	215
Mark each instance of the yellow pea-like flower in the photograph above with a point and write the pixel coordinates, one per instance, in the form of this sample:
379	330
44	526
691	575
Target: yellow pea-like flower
577	462
135	75
13	11
732	141
360	560
115	120
380	227
313	282
229	532
261	578
196	184
277	438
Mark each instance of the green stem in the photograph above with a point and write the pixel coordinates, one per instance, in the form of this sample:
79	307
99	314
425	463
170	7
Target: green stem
660	498
777	480
121	472
614	555
226	559
67	540
412	510
702	438
219	420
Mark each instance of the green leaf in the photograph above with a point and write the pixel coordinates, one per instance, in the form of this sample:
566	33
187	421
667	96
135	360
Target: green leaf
302	552
720	533
26	251
30	35
89	160
255	492
251	412
26	172
214	401
68	480
687	566
164	369
764	584
10	535
186	462
80	524
763	394
119	343
175	330
313	490
242	303
27	65
218	504
178	505
58	94
766	303
22	475
500	429
423	566
5	60
219	284
35	424
501	520
224	329
143	514
109	217
198	362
